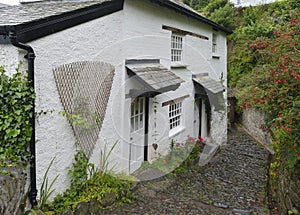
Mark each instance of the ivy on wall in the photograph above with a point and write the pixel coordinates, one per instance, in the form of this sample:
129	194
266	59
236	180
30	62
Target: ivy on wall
16	102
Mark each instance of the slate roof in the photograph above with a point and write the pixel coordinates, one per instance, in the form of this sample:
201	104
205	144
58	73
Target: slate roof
34	20
24	13
209	84
154	76
3	5
38	19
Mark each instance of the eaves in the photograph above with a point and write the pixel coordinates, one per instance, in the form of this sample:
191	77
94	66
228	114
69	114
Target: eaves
35	29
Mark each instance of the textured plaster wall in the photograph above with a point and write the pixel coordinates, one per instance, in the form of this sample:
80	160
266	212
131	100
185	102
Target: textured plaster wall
136	32
149	40
92	41
9	57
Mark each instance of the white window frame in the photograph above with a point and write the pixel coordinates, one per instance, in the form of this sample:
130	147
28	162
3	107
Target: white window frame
175	115
176	48
137	114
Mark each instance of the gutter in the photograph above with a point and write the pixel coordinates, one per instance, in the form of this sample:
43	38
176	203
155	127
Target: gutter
30	56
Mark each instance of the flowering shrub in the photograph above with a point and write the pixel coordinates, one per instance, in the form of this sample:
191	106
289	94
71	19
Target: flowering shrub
273	86
187	150
180	155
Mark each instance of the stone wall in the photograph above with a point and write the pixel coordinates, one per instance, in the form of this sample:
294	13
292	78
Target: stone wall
286	188
252	121
12	186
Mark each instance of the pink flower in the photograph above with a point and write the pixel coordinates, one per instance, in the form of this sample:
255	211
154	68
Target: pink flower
261	101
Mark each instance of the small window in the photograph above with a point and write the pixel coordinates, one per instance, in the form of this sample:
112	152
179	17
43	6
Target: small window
214	43
176	47
137	115
175	115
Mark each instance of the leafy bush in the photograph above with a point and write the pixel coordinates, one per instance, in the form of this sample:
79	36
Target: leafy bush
273	87
16	102
256	22
87	184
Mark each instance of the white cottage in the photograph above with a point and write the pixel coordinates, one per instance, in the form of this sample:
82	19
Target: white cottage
139	72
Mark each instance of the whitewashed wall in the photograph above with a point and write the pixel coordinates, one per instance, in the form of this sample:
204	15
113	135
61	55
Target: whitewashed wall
135	32
97	40
9	57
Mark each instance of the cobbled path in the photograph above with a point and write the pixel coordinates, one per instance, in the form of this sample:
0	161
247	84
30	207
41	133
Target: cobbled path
234	182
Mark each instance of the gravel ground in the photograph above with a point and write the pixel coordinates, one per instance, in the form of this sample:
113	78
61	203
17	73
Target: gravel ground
233	182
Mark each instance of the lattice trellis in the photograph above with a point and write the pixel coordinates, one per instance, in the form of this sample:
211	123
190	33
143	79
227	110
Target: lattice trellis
84	89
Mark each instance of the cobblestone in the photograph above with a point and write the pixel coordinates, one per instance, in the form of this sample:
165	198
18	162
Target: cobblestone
234	182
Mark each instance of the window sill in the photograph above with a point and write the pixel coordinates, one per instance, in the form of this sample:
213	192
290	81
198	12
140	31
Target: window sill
178	65
176	131
216	57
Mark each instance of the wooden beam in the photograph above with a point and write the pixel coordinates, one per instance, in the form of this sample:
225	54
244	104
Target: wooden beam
183	32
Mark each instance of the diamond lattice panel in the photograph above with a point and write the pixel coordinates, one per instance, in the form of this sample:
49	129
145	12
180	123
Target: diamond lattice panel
84	89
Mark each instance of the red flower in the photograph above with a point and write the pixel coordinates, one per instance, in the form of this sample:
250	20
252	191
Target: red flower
261	101
298	155
164	161
294	21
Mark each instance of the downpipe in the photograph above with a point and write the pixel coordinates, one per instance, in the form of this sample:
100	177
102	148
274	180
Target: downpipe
30	56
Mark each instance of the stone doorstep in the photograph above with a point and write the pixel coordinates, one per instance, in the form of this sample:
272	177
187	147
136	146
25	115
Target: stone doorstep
208	152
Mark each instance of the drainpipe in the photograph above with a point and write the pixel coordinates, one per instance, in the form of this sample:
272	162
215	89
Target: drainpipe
30	56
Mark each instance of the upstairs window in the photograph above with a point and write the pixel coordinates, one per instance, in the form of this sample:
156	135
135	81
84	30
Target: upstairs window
214	43
176	47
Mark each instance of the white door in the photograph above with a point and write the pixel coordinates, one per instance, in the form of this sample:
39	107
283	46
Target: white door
137	131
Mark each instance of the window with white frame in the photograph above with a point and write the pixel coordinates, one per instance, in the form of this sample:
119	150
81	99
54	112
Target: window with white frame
176	47
137	114
214	43
175	115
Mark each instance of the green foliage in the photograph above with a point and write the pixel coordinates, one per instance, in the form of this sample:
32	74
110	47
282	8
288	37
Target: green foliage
272	85
225	16
179	157
87	184
219	11
46	189
79	172
256	22
213	5
196	4
104	158
16	102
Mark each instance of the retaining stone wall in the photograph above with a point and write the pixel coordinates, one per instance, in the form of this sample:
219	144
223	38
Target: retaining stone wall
288	192
12	186
252	120
287	187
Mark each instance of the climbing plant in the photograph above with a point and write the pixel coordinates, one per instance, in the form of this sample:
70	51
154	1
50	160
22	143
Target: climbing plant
273	87
16	102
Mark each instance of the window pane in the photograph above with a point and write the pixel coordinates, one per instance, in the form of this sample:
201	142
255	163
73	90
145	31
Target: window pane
136	123
132	124
141	121
176	48
132	110
141	106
